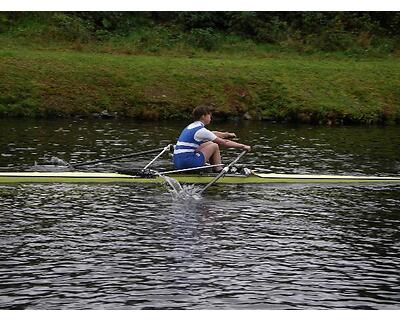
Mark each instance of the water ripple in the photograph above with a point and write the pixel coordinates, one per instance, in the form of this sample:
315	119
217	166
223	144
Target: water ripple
70	246
92	246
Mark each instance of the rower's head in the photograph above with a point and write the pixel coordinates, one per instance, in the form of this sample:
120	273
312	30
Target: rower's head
202	113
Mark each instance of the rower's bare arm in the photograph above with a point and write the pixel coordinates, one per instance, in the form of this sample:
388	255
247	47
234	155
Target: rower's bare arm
231	144
224	135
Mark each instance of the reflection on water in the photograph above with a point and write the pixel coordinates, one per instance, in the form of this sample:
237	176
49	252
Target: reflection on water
72	246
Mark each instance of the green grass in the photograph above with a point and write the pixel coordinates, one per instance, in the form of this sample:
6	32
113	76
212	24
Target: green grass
56	79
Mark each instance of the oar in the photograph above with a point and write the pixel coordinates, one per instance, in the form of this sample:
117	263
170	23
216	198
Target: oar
168	147
145	172
80	164
223	171
190	169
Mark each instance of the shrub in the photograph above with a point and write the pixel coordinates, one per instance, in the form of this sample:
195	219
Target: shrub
202	20
273	32
244	23
70	27
334	41
206	39
4	22
102	34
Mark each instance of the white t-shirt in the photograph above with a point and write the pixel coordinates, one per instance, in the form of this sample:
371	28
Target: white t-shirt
203	134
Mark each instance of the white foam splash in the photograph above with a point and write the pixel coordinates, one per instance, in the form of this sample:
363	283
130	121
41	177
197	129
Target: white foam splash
58	161
180	192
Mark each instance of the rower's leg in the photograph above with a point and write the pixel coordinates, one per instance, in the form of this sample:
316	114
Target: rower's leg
205	146
211	153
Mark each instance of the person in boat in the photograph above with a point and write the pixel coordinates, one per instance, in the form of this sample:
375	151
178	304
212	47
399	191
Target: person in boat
197	145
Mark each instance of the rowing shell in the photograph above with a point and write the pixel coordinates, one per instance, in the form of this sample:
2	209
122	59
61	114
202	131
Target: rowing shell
253	178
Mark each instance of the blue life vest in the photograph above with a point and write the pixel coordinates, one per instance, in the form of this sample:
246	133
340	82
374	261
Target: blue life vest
186	141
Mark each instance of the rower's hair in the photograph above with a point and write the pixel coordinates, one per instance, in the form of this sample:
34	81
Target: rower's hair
201	110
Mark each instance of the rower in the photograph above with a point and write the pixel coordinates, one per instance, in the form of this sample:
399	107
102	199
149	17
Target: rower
197	145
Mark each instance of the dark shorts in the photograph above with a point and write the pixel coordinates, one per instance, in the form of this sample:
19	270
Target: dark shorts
189	160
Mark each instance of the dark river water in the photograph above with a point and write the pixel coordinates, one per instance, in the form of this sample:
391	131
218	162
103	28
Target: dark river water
123	246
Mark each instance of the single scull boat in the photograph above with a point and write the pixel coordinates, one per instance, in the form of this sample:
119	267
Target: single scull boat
253	178
192	175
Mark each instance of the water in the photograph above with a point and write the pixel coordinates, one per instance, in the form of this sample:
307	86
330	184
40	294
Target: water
120	246
182	193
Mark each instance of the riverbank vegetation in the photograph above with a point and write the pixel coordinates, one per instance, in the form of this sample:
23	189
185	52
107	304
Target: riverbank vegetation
305	67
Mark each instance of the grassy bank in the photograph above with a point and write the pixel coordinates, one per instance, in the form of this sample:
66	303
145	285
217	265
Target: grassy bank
47	83
306	67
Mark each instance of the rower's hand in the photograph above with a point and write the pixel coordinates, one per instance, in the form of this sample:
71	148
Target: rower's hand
246	147
230	135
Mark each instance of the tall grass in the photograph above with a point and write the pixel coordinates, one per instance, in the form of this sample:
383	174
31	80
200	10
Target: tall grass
48	83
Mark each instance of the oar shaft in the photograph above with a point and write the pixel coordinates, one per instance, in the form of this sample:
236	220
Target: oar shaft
190	169
116	158
223	171
159	155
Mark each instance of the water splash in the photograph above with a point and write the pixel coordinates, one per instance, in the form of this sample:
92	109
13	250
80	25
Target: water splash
57	161
180	192
172	183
